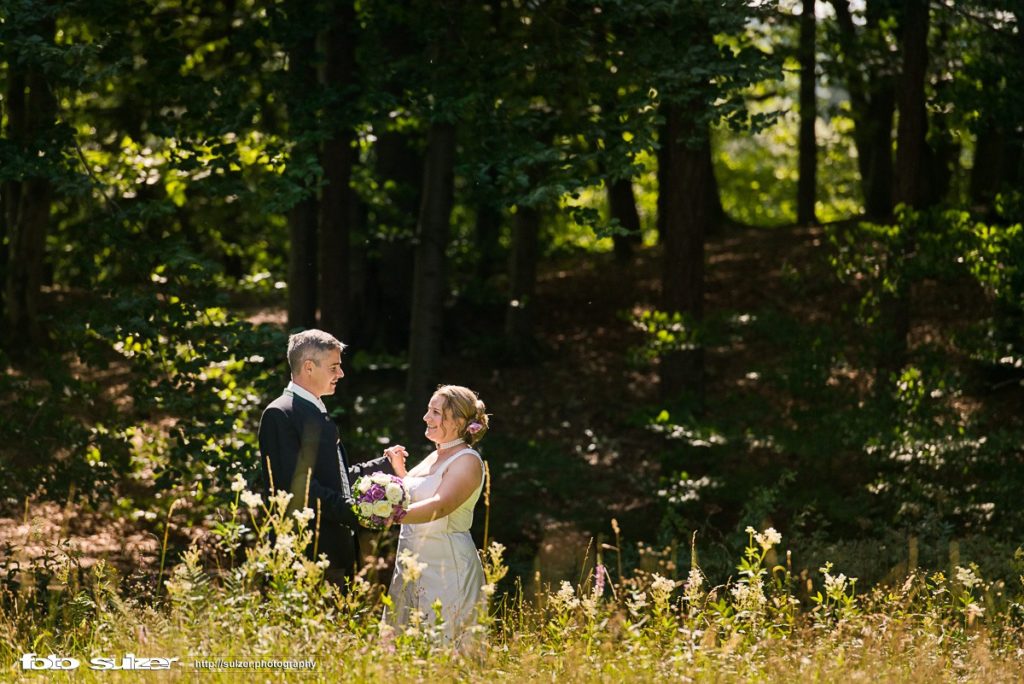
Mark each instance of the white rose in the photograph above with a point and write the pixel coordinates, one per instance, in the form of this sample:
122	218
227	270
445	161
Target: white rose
381	508
393	492
363	485
366	509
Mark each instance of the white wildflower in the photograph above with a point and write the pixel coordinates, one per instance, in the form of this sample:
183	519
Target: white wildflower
695	579
412	569
238	483
748	597
565	599
303	516
835	585
299	568
281	499
589	605
252	500
488	590
768	538
636	603
323	563
662	588
967	578
284	543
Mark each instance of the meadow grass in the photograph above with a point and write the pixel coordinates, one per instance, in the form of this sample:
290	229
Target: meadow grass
273	604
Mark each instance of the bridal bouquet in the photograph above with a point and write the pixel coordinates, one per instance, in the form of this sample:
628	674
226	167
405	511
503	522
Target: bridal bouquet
381	500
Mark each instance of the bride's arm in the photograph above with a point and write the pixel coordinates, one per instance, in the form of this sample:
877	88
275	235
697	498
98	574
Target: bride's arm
457	484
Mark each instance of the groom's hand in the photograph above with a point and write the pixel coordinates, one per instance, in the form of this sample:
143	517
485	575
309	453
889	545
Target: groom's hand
397	454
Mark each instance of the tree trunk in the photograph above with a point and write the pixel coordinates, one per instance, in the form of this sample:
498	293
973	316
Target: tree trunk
338	210
807	185
428	273
622	206
383	302
10	193
488	241
873	102
911	153
302	264
664	160
28	206
912	130
688	183
522	278
302	219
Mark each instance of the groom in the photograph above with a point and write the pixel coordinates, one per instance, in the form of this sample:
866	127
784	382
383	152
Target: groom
299	444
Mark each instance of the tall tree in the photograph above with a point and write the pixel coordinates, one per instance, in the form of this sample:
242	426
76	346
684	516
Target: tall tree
303	217
429	282
806	192
870	68
622	206
911	153
523	276
338	209
912	132
674	49
31	126
686	225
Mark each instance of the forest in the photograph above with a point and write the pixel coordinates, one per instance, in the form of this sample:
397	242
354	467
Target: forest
736	280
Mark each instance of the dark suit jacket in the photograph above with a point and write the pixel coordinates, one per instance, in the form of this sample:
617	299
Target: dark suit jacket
298	440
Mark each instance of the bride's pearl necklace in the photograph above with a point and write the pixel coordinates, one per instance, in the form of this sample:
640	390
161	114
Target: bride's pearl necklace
448	445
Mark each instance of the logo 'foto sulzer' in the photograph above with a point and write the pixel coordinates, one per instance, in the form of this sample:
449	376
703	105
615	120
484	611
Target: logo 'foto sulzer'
33	661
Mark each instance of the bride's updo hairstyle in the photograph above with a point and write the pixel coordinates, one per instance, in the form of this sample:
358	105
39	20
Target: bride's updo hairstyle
466	409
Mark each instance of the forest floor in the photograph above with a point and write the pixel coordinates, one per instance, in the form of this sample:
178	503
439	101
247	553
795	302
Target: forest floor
570	447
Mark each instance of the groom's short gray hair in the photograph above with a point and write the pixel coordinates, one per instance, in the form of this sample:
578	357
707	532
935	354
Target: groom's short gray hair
309	345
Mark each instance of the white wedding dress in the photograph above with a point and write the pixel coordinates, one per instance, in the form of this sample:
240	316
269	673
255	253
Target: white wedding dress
450	569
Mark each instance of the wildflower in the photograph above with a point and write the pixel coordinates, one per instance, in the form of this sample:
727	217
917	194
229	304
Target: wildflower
589	605
488	590
835	585
281	499
386	634
967	578
284	543
238	483
636	603
694	581
299	568
252	500
768	538
973	611
303	516
323	563
662	588
749	596
565	599
412	569
600	572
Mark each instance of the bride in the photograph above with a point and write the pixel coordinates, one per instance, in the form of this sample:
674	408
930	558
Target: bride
437	559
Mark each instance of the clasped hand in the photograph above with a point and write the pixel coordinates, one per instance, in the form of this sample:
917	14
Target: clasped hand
396	455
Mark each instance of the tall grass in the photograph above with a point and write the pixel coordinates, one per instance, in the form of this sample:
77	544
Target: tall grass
642	626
